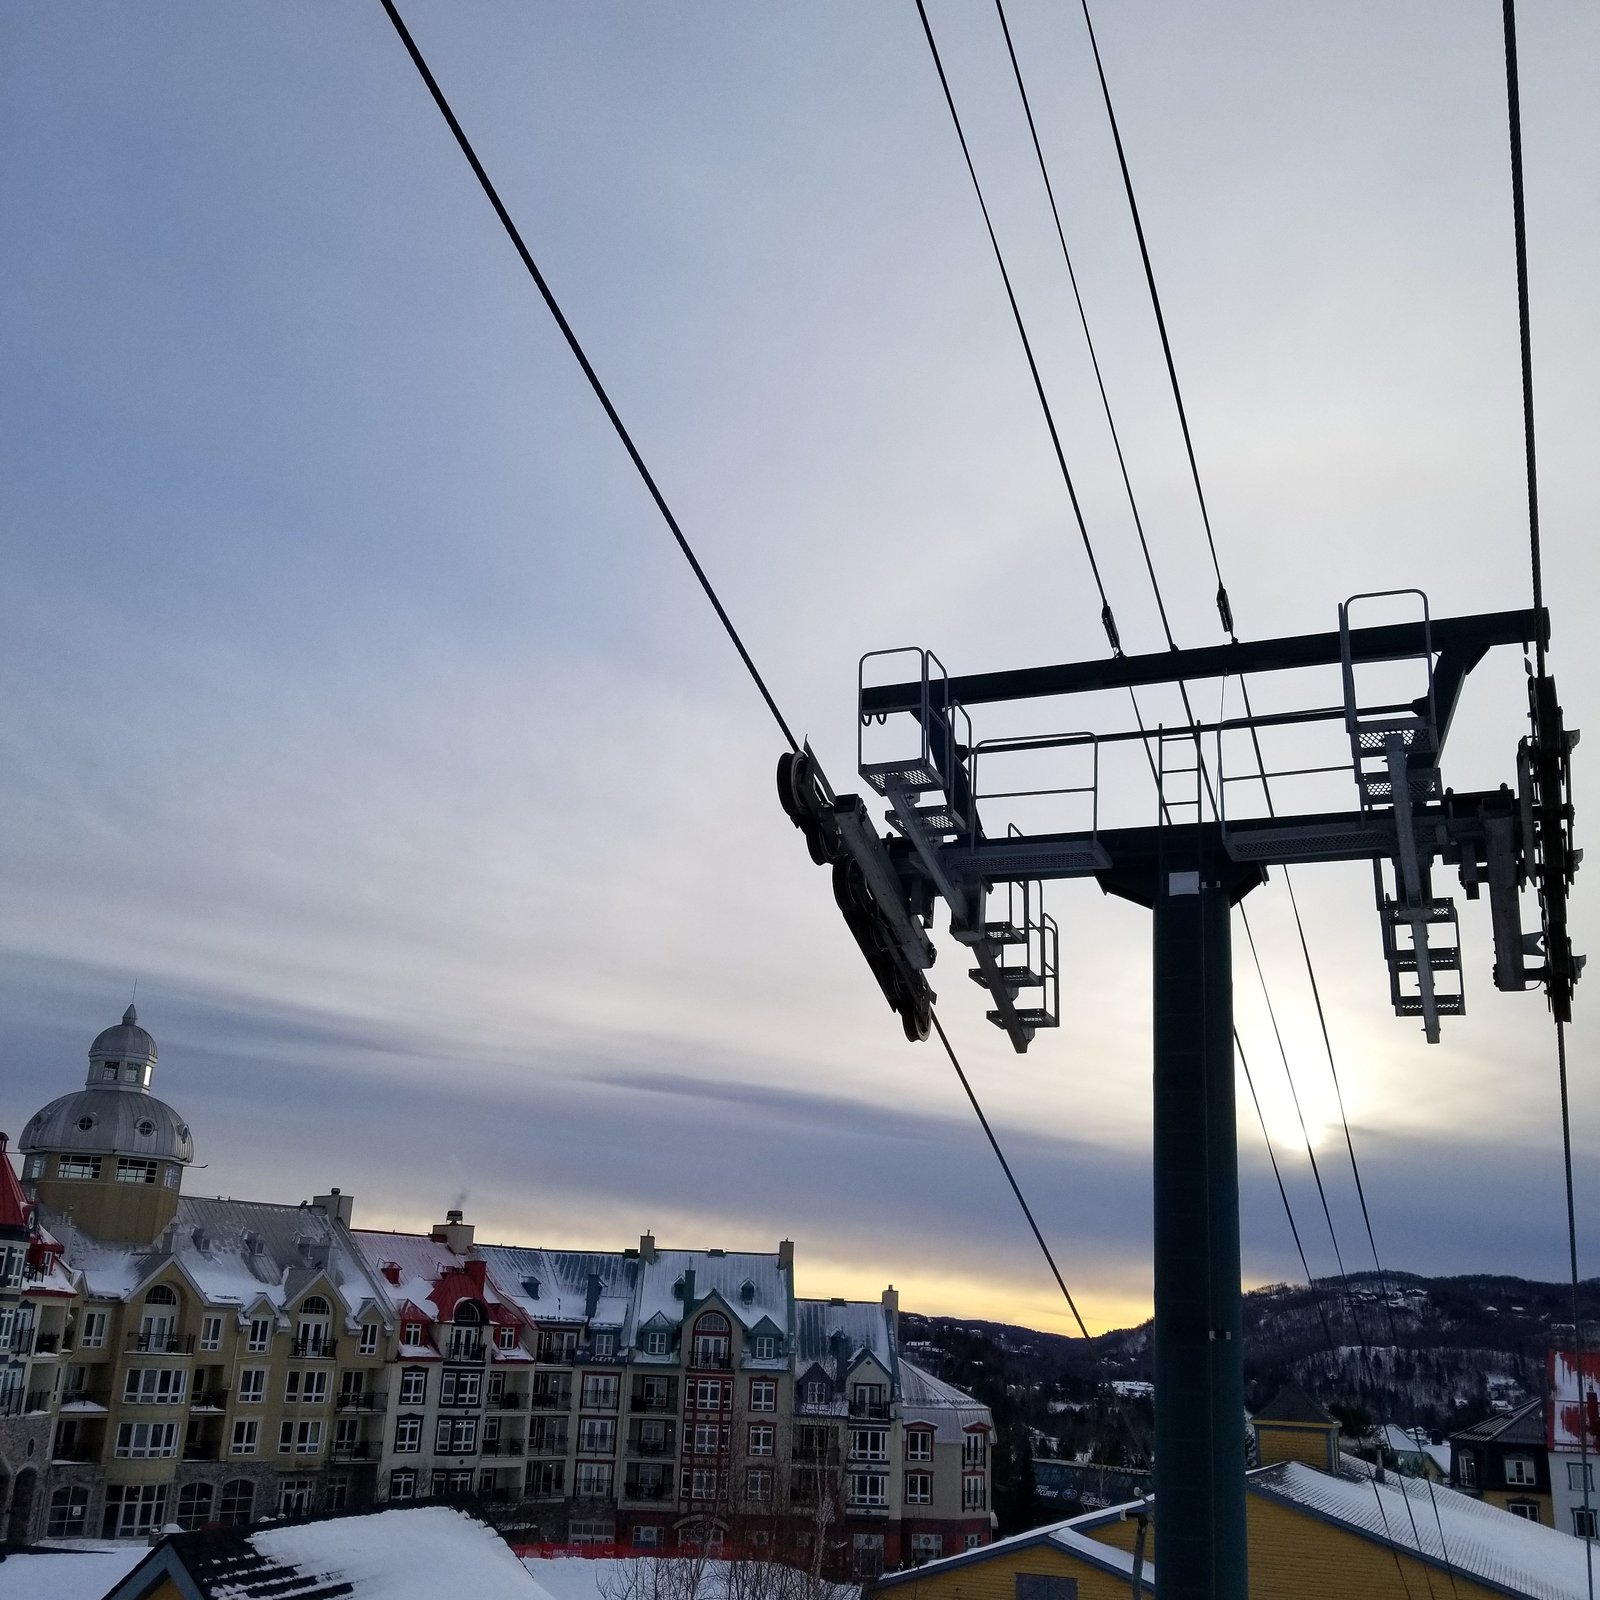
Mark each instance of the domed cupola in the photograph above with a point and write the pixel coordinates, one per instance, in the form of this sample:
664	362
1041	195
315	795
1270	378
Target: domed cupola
110	1153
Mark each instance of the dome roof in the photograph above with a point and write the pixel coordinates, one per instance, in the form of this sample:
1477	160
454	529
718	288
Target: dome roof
110	1121
126	1042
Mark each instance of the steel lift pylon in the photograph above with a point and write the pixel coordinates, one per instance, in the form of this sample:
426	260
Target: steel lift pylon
1189	868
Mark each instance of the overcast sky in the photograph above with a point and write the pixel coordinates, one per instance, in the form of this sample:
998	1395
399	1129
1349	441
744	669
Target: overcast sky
359	707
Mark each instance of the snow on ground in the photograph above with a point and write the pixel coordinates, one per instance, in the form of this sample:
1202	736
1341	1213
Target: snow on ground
85	1573
575	1577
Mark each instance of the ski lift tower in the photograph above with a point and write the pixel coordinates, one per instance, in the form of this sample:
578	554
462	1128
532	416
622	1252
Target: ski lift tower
1190	867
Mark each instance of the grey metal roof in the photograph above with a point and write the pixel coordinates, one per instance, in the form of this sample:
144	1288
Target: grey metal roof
125	1042
110	1120
1525	1425
1293	1404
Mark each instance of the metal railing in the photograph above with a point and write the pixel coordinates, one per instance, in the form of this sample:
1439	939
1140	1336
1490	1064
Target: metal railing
464	1349
313	1349
633	1489
653	1402
365	1401
873	1410
551	1400
166	1344
511	1400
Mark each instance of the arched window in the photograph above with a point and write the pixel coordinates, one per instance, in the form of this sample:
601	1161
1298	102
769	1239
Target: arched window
194	1506
315	1306
161	1295
711	1340
238	1503
467	1312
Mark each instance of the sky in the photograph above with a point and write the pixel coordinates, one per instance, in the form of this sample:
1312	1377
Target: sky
358	707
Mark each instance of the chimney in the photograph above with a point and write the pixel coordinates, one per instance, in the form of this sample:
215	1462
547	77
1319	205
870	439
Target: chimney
341	1207
688	1288
454	1234
591	1297
891	1305
477	1274
786	1255
647	1248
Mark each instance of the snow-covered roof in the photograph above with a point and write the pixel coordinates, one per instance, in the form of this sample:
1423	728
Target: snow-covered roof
1070	1537
563	1279
233	1253
1449	1530
77	1570
418	1553
864	1324
925	1398
754	1287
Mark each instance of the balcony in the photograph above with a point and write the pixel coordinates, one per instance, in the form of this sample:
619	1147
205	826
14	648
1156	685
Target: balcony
76	1450
547	1446
355	1450
464	1349
502	1447
38	1400
47	1344
161	1344
709	1361
512	1400
651	1447
209	1400
314	1348
202	1450
636	1489
553	1400
872	1410
364	1401
653	1402
587	1356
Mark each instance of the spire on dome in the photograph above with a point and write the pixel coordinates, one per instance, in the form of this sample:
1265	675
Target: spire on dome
129	1017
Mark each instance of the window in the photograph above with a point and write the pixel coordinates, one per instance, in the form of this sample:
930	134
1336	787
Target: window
926	1547
593	1481
1583	1522
605	1344
866	1556
161	1295
505	1338
455	1436
411	1333
1575	1475
547	1480
761	1437
919	1445
1528	1510
305	1386
35	1167
154	1386
1045	1586
339	1491
407	1435
403	1484
1466	1465
866	1398
974	1449
764	1347
816	1392
763	1395
600	1391
69	1513
246	1438
869	1489
252	1385
1521	1469
919	1488
352	1389
414	1386
172	1176
656	1342
260	1334
294	1497
194	1506
703	1483
138	1440
869	1444
368	1343
758	1483
708	1394
86	1167
94	1330
460	1388
972	1493
597	1435
134	1510
299	1438
210	1334
238	1503
712	1340
706	1438
132	1170
591	1533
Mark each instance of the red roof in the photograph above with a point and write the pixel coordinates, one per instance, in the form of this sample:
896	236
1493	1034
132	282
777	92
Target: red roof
16	1212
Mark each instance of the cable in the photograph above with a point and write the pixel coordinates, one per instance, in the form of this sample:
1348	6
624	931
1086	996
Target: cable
1224	607
1005	1166
1083	318
583	361
1107	620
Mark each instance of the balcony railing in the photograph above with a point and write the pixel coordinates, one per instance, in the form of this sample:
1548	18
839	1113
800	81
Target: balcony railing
165	1344
874	1410
315	1349
587	1356
502	1447
202	1450
547	1447
209	1400
553	1400
354	1450
47	1344
633	1489
653	1402
511	1400
651	1447
38	1400
705	1361
77	1450
464	1349
365	1401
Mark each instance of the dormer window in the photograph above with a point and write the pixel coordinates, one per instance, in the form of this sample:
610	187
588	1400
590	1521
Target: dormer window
655	1342
712	1340
314	1335
764	1347
605	1344
411	1333
747	1292
506	1337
